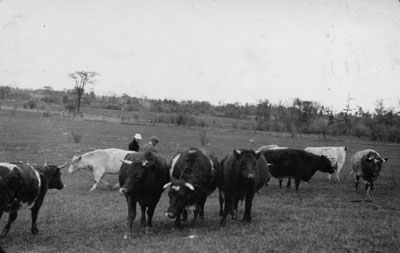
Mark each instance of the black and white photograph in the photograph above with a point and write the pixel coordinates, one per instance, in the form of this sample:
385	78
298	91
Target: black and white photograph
199	126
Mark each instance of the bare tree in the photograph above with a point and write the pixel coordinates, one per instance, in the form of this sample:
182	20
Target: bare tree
82	78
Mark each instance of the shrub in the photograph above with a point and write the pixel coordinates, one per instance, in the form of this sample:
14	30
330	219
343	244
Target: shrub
31	104
70	107
112	107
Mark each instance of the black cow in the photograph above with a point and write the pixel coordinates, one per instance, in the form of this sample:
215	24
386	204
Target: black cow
244	172
195	174
24	183
366	164
297	164
142	177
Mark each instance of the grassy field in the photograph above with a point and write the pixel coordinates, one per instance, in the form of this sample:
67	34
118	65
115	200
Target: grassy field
323	217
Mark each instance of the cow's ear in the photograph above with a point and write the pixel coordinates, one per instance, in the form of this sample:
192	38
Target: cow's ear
237	153
385	159
79	158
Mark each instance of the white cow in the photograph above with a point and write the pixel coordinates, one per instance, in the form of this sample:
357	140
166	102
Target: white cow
266	147
100	162
337	156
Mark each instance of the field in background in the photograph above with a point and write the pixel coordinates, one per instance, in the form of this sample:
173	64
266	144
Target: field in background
323	217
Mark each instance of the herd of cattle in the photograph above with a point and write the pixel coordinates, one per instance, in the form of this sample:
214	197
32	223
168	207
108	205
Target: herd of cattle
190	177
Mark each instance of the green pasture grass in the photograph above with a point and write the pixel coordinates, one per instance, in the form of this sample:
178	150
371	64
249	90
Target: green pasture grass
323	217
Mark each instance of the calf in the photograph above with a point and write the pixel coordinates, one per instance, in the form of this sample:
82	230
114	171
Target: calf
336	155
142	177
297	164
24	183
195	174
244	172
366	164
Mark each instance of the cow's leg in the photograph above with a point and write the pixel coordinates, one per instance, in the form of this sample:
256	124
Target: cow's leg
150	213
11	218
1	213
280	182
368	188
143	216
329	177
288	183
34	214
98	175
337	175
234	210
202	202
177	223
227	208
184	215
248	205
196	212
356	181
131	216
297	183
221	204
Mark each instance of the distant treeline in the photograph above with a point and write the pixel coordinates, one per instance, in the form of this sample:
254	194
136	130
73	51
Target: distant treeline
308	117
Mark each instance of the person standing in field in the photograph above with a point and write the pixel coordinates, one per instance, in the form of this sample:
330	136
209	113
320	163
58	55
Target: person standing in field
134	144
151	144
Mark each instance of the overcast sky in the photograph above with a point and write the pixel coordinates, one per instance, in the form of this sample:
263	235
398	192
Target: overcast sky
208	50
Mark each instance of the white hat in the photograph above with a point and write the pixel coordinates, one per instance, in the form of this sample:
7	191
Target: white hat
137	136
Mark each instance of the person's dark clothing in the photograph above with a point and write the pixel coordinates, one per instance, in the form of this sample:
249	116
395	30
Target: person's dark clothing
133	146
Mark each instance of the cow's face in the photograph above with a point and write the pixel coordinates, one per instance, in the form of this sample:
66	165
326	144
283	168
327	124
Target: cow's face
375	163
326	165
179	195
76	164
137	174
247	160
55	180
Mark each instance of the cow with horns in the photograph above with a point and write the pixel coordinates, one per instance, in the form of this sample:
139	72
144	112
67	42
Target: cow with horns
195	174
23	183
366	164
142	177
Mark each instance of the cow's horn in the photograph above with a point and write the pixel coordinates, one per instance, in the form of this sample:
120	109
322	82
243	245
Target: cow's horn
61	166
189	186
167	185
127	162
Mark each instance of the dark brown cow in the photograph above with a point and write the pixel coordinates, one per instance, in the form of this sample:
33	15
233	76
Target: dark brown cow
297	164
195	174
244	172
142	177
22	183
